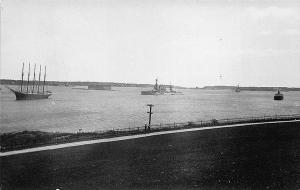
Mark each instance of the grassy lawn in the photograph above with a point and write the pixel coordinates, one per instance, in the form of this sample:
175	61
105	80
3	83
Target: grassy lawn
251	157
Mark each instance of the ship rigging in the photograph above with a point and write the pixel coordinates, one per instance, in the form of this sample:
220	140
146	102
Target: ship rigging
31	94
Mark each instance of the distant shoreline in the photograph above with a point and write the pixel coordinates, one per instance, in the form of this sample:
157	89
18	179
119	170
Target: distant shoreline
81	83
251	88
76	83
117	84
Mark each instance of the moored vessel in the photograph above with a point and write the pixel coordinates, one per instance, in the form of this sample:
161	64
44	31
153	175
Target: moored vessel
31	94
172	91
157	90
278	95
237	89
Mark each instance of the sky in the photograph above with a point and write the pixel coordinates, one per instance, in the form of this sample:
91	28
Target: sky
183	42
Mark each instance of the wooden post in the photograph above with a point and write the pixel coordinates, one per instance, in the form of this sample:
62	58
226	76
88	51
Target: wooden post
150	113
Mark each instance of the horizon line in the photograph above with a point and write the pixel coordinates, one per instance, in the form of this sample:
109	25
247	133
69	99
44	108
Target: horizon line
202	86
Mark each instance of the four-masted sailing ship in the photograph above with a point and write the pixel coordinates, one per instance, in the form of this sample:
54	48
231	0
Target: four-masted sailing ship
32	94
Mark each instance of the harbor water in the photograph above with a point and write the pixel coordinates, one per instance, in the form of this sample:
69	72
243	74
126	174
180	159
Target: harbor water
69	110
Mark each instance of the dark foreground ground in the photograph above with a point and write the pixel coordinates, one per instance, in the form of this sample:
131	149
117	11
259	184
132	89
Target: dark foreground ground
254	157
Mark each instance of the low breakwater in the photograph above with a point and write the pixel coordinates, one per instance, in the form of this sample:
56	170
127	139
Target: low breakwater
30	139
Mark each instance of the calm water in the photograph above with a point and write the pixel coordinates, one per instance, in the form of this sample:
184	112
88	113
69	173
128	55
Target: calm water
72	109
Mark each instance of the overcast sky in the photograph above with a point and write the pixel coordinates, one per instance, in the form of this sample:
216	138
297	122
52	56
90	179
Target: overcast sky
187	42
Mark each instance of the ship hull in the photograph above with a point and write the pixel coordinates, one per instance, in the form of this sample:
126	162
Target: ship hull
150	93
278	97
29	96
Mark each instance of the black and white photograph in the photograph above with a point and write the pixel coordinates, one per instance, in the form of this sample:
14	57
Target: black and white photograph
149	94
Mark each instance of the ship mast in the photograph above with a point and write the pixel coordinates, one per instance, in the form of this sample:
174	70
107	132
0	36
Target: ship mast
39	80
22	77
156	85
44	80
28	77
33	78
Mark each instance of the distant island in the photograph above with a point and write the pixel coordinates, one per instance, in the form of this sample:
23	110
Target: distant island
80	83
249	88
117	84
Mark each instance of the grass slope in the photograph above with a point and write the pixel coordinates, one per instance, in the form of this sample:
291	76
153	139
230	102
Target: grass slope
252	157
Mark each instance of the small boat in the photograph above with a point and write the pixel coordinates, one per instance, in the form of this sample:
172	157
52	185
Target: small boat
32	94
171	89
237	89
278	96
173	92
